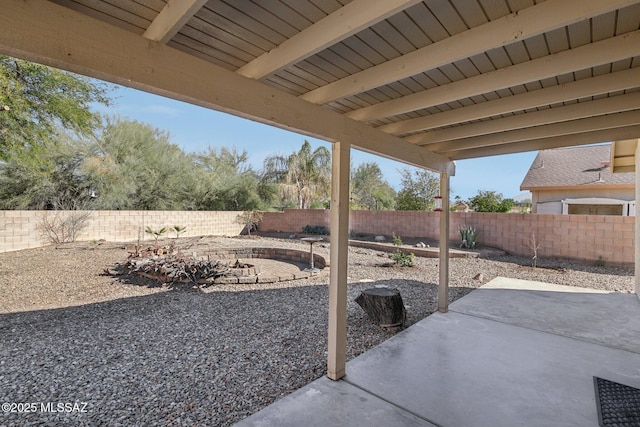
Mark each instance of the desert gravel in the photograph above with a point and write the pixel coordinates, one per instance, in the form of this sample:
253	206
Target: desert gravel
131	352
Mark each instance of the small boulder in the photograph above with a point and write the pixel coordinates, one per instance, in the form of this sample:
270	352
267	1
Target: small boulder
479	277
420	245
380	238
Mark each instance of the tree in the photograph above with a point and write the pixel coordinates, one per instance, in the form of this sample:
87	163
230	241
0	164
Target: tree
130	165
490	201
418	190
45	176
227	182
135	166
36	100
304	176
369	190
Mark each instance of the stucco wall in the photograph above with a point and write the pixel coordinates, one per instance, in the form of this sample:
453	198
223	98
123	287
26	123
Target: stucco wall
19	229
549	201
585	238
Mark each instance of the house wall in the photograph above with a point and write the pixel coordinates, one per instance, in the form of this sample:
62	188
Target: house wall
20	229
550	201
585	238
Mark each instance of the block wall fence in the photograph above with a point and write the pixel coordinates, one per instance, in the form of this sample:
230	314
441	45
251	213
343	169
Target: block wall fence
19	229
583	238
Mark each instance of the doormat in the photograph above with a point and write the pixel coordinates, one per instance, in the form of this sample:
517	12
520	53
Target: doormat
618	404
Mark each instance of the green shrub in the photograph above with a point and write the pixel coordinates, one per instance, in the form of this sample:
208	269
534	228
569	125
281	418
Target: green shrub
315	229
403	260
178	229
397	240
156	233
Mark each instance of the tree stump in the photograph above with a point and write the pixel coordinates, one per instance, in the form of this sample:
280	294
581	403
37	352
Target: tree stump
384	306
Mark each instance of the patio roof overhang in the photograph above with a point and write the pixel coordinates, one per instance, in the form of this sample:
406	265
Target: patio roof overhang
623	156
422	82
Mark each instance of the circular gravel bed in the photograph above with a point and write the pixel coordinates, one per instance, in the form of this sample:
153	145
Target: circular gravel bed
138	353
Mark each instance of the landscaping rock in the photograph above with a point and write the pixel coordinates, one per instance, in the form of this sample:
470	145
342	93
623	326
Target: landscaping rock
141	354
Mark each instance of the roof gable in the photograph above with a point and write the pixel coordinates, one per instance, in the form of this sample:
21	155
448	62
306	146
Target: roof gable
575	166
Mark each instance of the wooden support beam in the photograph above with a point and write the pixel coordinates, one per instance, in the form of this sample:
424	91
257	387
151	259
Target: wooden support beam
566	113
339	228
344	22
173	16
583	57
607	83
44	32
526	23
443	284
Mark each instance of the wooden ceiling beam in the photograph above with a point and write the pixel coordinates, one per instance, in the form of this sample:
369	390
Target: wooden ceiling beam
173	16
339	25
53	35
581	58
529	22
591	124
615	104
623	155
605	135
607	83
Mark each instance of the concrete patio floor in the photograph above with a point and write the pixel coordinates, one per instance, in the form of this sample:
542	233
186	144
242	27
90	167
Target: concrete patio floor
512	353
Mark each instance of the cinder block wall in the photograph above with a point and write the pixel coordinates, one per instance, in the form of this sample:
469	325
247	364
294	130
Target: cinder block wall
293	220
20	229
584	238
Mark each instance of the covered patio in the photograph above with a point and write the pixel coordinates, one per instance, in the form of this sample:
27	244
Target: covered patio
423	82
512	353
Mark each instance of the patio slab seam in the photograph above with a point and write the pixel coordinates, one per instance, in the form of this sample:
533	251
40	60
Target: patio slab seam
345	379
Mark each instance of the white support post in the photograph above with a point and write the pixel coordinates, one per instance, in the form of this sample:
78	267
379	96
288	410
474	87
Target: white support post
637	231
443	286
338	260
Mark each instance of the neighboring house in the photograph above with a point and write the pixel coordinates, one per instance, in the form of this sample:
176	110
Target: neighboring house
578	180
461	206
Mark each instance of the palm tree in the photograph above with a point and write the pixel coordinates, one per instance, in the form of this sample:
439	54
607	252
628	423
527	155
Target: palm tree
305	175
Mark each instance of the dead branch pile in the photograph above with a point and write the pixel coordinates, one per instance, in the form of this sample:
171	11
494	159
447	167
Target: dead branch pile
168	265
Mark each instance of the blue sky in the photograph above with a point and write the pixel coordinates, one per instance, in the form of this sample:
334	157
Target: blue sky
195	129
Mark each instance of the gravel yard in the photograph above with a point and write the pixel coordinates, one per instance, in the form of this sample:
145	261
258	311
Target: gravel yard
137	353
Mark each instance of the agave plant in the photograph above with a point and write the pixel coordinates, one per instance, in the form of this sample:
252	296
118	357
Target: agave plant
469	237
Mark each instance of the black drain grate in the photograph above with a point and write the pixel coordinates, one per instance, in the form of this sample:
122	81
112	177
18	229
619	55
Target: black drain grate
618	404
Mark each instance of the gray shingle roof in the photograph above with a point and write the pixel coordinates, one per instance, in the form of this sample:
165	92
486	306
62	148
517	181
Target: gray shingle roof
574	166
